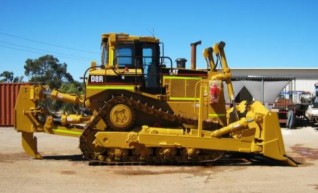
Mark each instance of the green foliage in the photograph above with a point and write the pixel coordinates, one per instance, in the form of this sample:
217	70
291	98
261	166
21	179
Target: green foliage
9	77
75	88
48	70
72	87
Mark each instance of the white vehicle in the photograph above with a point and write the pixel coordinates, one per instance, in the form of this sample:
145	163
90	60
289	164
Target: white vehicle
312	111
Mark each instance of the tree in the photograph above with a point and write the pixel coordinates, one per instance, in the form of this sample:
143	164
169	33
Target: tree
9	77
48	70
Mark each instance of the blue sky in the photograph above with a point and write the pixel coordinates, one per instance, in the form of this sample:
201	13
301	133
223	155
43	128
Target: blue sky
259	34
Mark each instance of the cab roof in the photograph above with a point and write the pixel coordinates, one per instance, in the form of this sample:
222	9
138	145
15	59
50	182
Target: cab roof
126	37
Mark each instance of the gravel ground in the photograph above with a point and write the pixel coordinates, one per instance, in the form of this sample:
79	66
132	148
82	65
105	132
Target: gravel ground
63	170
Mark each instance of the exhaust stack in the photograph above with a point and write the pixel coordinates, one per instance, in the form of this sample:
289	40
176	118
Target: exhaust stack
194	54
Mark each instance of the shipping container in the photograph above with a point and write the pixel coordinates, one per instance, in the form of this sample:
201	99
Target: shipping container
8	95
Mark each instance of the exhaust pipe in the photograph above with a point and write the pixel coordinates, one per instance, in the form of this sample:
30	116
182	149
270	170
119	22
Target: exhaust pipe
194	54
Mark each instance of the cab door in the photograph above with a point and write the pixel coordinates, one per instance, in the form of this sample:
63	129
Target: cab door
150	67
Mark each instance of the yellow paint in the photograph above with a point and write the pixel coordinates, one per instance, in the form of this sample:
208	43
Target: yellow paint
111	87
181	78
216	115
184	98
67	132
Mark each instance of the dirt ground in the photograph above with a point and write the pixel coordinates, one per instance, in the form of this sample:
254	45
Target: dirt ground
63	170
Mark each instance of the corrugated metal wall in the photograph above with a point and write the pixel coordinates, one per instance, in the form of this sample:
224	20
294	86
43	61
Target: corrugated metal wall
8	96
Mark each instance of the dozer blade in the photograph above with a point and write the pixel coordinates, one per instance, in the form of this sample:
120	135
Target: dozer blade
290	162
29	144
270	134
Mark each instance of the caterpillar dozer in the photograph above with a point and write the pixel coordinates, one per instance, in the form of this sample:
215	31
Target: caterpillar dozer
145	110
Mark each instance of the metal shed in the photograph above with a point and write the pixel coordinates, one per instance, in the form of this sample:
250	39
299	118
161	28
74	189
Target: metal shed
261	88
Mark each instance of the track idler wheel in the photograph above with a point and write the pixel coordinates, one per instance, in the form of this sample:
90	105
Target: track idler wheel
142	153
166	154
121	117
190	153
89	150
117	154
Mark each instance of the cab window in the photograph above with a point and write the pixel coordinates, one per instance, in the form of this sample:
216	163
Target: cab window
124	56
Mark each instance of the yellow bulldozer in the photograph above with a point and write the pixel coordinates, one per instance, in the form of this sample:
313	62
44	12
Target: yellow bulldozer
143	109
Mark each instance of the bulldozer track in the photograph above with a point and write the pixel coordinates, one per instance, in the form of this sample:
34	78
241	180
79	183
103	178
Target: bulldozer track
133	163
101	155
156	160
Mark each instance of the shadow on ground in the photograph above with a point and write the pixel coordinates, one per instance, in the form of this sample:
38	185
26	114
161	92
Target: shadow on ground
65	157
236	159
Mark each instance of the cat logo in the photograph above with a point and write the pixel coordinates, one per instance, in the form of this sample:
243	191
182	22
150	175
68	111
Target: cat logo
97	79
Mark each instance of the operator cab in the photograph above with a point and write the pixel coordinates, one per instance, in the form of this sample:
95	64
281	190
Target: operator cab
134	60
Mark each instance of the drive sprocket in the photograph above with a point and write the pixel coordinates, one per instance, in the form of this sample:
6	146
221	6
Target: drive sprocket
119	115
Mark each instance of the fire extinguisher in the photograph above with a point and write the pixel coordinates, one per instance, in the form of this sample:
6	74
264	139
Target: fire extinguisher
214	93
